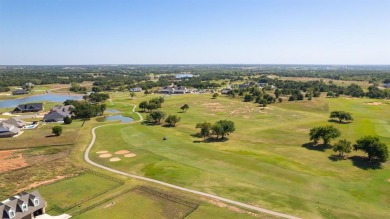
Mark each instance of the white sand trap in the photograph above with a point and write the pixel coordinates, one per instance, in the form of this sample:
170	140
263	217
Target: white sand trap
105	155
374	103
122	152
114	159
102	152
130	155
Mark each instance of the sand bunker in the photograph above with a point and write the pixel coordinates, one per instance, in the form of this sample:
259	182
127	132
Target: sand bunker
115	159
102	152
130	155
122	152
374	103
105	155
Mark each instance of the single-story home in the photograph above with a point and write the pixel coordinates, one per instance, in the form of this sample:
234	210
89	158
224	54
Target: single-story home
19	92
24	205
225	91
386	85
135	89
58	113
16	122
173	89
8	130
29	107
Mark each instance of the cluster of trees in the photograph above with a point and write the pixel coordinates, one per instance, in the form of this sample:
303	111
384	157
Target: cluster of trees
96	97
77	88
156	116
153	104
86	110
4	89
221	128
376	150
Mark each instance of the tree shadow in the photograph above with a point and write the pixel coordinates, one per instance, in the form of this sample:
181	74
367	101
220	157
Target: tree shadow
364	163
50	136
197	135
318	147
211	140
338	122
168	126
335	158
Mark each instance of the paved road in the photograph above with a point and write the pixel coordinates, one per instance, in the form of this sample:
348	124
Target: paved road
251	207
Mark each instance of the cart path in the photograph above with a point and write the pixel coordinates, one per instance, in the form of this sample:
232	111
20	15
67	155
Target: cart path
247	206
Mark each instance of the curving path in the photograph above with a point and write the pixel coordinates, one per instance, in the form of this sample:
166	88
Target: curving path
251	207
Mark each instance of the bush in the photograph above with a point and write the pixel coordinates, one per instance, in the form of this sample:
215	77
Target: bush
68	120
57	130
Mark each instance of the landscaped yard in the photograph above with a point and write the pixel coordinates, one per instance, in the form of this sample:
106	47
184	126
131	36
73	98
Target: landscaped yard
264	162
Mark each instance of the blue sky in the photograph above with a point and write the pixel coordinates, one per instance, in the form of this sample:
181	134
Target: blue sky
194	32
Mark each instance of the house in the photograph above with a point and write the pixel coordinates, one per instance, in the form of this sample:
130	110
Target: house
16	122
28	85
386	85
226	91
58	113
183	75
19	92
173	89
135	89
8	130
24	205
29	107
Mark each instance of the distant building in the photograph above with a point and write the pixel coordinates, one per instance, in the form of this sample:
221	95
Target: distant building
23	206
186	75
19	92
226	90
29	107
387	85
58	113
135	89
173	89
28	85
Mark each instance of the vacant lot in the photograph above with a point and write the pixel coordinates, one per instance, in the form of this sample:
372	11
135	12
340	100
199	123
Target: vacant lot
263	162
73	190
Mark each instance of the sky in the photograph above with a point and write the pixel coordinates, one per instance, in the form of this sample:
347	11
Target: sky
75	32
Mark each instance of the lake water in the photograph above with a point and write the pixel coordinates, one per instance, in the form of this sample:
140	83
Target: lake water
121	118
112	111
39	98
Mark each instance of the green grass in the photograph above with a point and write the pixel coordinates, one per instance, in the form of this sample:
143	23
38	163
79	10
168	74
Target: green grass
70	191
263	163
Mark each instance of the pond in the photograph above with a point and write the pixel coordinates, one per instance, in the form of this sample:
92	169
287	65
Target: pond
39	98
121	118
112	111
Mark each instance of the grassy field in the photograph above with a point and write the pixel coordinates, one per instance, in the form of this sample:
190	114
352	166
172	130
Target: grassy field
76	189
264	162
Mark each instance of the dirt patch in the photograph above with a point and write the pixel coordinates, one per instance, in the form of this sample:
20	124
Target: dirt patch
109	205
102	152
130	155
232	208
388	180
105	155
36	184
374	103
11	160
214	107
114	159
122	152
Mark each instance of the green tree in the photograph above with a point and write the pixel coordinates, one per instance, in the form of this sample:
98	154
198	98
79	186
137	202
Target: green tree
223	128
143	105
342	146
263	102
57	130
248	98
156	116
326	133
67	120
341	115
185	107
132	94
172	120
215	95
205	129
151	106
376	150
